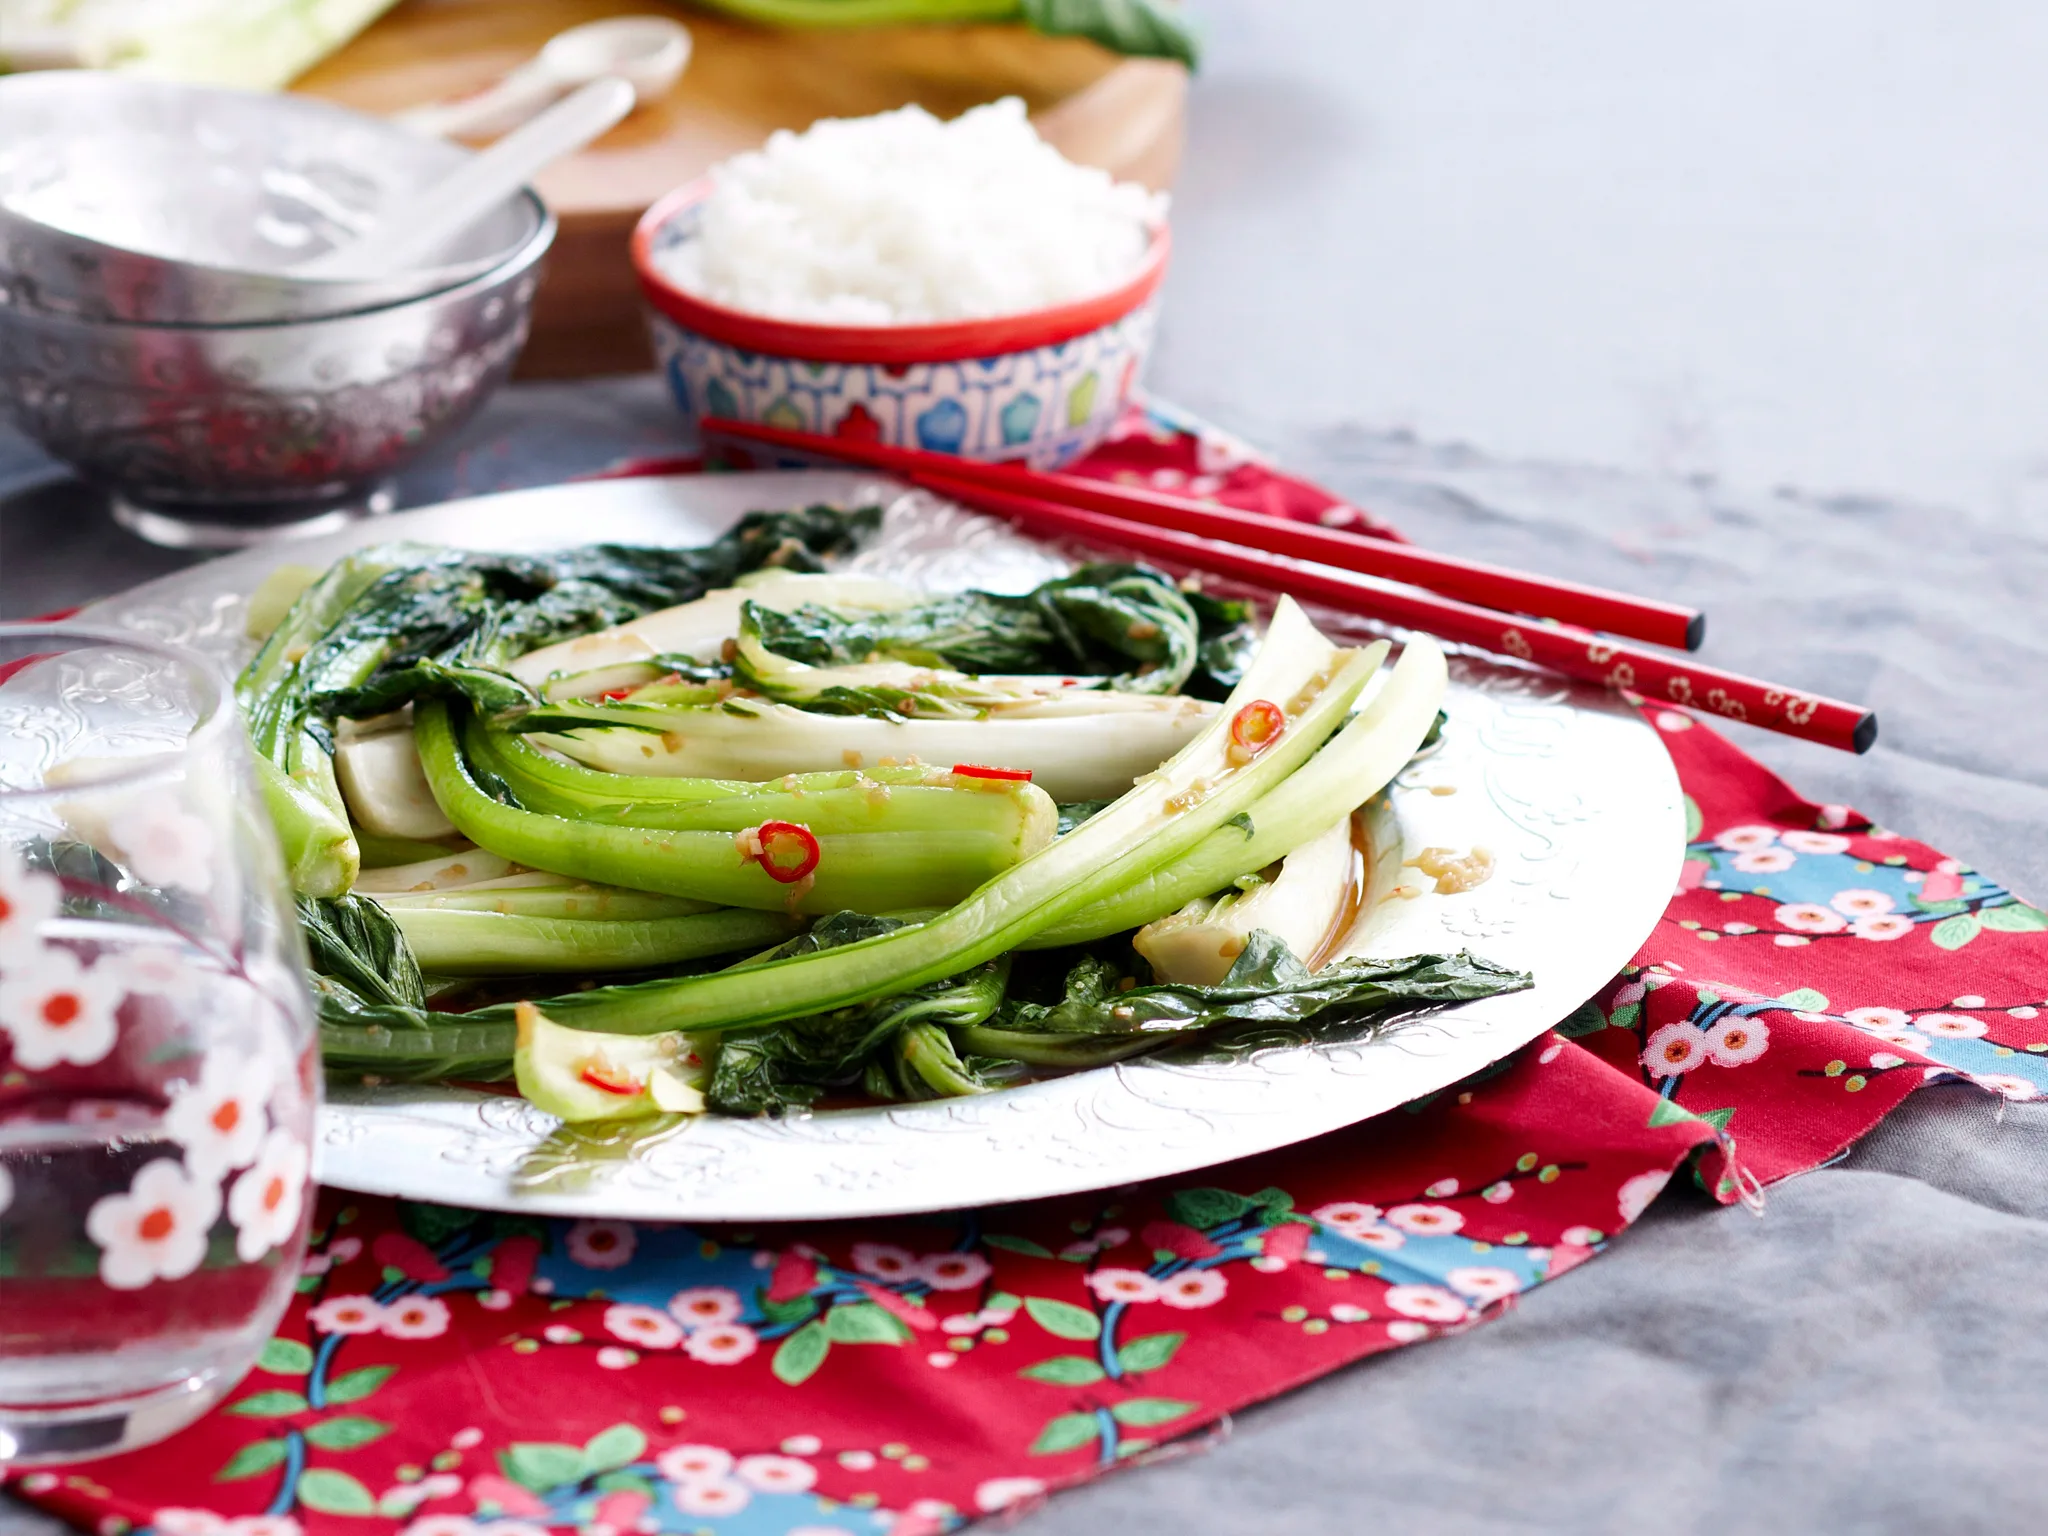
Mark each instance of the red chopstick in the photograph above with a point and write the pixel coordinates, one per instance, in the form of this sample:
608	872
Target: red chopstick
1491	586
1573	652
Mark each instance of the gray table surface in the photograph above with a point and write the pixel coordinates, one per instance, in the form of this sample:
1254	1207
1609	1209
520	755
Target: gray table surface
1867	1355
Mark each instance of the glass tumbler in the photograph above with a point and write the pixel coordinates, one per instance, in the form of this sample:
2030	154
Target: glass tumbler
158	1068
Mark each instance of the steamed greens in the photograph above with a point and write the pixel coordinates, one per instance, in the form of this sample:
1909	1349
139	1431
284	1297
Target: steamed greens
840	840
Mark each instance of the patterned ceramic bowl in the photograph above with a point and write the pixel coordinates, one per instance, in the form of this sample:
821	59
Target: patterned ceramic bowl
1044	386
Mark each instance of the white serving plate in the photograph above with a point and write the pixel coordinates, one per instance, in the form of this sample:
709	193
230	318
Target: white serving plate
1565	784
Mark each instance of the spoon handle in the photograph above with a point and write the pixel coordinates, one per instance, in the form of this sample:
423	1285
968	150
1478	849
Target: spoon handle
499	106
421	222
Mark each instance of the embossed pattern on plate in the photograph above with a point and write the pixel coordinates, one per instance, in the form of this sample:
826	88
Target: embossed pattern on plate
1569	789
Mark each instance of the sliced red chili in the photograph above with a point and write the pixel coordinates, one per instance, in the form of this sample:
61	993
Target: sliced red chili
629	689
1257	726
789	851
982	771
604	1076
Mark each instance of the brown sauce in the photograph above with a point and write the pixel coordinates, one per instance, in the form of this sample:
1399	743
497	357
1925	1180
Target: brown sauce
1454	872
1333	938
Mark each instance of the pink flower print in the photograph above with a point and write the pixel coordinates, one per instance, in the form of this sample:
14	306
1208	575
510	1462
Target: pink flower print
264	1525
1953	1026
344	1249
1810	917
1635	1195
1193	1288
1833	816
1403	1330
1007	1492
163	843
1859	902
28	899
1582	1237
1878	1018
1746	839
415	1317
712	1499
953	1271
1732	1041
616	1357
1125	1285
219	1118
702	1305
884	1261
1347	1216
156	1229
647	1327
265	1202
2000	1082
1483	1282
1630	992
1814	842
694	1463
721	1344
1385	1239
776	1474
601	1244
57	1010
1673	1050
1764	861
185	1522
1427	1303
1425	1220
1891	925
347	1315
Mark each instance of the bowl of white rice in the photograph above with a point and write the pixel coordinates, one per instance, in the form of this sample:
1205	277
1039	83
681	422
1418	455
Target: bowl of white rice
955	286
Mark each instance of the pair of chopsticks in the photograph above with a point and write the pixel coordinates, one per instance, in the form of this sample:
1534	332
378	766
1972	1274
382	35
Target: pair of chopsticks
1533	618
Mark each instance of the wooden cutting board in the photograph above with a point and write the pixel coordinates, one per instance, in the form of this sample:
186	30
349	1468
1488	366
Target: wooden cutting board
743	82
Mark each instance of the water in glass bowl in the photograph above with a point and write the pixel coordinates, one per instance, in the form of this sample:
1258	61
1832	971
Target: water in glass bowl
158	1076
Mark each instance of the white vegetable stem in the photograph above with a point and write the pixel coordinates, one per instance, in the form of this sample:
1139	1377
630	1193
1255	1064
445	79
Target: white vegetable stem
1094	756
1356	765
1200	943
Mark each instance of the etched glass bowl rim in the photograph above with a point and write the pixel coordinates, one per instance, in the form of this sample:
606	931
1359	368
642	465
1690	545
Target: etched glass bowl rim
217	713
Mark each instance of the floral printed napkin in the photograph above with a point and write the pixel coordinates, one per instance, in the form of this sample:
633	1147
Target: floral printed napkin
455	1373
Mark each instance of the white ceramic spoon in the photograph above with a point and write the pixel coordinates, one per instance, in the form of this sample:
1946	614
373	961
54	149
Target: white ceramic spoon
418	224
648	52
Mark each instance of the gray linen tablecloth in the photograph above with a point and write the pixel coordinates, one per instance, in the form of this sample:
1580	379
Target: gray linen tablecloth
1866	1355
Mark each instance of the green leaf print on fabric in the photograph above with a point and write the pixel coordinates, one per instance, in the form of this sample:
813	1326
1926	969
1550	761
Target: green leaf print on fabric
1063	1319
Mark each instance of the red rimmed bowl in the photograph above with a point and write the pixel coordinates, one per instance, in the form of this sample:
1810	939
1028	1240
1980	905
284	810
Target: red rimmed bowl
1044	386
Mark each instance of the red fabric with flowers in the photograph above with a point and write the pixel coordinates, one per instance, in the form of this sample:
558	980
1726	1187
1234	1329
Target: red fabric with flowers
447	1372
